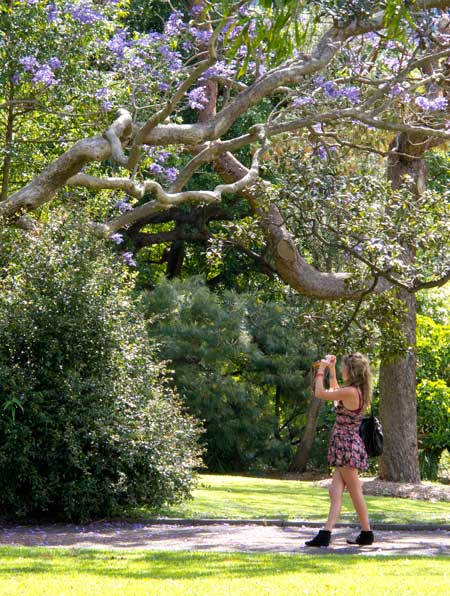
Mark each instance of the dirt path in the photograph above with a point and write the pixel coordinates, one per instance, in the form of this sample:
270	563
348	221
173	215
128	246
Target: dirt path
221	537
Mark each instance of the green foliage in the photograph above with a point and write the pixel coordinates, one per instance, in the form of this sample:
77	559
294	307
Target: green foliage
240	365
433	393
88	422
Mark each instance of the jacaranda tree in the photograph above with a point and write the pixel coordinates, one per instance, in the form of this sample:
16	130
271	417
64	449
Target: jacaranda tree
332	76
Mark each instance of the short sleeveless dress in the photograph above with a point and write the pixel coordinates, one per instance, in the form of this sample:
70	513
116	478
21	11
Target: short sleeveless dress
346	448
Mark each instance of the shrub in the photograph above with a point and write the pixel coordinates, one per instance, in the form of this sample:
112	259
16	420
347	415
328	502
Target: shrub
88	422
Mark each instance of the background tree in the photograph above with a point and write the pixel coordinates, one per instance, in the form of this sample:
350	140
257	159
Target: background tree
241	366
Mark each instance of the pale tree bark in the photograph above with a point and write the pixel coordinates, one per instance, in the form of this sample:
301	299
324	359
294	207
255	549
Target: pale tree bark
398	406
397	382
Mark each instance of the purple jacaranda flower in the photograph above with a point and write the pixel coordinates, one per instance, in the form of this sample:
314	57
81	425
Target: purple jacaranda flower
197	9
29	63
136	63
150	39
118	43
351	93
242	51
84	12
391	45
187	46
197	98
422	102
156	168
330	89
52	13
163	86
318	127
396	90
303	101
321	152
171	174
319	80
162	155
392	63
117	238
200	35
220	69
439	103
175	25
45	75
102	93
371	37
128	258
15	79
236	31
122	205
107	105
54	63
172	57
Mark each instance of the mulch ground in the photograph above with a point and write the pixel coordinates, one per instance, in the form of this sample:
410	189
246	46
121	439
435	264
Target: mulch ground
424	491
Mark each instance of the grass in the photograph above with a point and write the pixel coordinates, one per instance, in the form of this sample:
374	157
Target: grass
39	572
237	497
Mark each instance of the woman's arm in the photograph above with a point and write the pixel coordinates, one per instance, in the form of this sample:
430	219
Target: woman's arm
348	395
319	389
333	380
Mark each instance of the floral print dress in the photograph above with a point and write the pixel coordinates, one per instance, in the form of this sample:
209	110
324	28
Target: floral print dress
346	448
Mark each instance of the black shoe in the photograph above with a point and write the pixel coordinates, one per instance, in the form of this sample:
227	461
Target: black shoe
322	539
365	538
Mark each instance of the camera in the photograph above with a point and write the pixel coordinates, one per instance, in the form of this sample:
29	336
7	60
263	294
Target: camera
317	363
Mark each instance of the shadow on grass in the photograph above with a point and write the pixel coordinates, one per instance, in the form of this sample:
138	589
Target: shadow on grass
185	566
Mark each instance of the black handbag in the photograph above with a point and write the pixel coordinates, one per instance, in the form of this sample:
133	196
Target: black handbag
371	433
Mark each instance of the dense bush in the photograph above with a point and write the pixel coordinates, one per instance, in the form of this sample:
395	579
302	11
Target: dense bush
88	422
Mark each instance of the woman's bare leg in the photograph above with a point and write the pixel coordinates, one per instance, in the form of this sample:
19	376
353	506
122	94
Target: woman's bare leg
351	479
335	491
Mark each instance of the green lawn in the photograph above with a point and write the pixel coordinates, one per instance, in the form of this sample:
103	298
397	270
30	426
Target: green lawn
238	497
45	572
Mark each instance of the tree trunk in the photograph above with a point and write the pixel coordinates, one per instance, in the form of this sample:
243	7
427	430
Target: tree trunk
398	406
302	455
175	259
400	461
6	167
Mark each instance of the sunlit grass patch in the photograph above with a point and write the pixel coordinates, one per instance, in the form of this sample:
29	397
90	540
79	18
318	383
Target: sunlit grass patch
39	572
239	497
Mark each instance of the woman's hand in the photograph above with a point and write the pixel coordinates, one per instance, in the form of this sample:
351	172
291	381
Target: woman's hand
332	361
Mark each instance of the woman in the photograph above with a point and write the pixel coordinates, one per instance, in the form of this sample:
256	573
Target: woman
346	451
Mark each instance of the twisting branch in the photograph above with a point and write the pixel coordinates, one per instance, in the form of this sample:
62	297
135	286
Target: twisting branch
211	151
163	199
115	136
44	187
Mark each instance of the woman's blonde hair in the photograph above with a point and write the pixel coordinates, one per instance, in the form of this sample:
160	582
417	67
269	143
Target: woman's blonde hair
360	376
